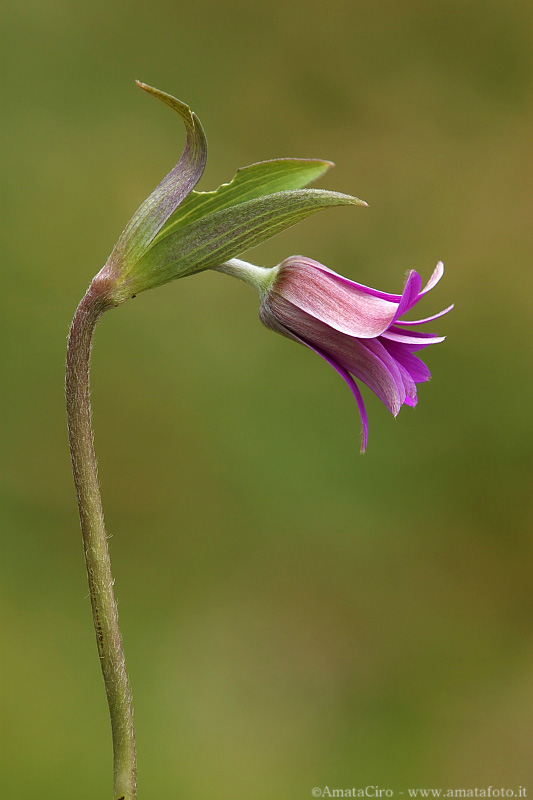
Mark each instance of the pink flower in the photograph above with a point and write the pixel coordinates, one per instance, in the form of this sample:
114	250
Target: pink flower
356	329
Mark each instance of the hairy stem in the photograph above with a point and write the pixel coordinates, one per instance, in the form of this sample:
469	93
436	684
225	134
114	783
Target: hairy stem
104	606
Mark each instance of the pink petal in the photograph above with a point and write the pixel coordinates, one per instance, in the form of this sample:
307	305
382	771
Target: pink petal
418	371
438	272
298	260
379	350
404	380
422	321
355	391
348	351
411	398
271	322
346	308
412	337
411	293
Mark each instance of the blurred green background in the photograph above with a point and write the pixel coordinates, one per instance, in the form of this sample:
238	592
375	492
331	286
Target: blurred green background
294	614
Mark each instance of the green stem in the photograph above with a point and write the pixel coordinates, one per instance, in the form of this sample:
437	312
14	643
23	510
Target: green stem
261	278
104	606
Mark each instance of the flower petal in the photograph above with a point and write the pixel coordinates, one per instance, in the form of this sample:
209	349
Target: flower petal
272	322
412	337
418	371
393	298
342	306
348	351
410	294
437	274
426	319
411	401
379	350
355	391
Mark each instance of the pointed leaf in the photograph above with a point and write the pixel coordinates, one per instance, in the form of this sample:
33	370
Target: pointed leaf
227	233
152	214
265	177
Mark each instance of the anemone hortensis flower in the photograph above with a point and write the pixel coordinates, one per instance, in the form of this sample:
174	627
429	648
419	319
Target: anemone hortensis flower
356	329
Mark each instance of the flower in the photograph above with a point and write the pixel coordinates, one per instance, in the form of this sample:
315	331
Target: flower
354	328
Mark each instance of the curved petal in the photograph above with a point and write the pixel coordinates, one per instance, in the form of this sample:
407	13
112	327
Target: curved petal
268	319
348	351
437	274
340	279
344	307
416	368
411	398
426	319
381	352
392	357
412	337
410	294
355	391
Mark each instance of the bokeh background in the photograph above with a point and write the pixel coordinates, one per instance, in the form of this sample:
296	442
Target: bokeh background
294	614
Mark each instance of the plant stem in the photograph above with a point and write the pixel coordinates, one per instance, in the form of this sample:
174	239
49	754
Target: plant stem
104	606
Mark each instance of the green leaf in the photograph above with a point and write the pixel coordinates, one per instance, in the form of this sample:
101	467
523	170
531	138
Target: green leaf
266	177
225	234
156	209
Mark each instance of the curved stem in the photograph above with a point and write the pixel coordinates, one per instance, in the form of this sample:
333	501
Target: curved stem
104	606
261	278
